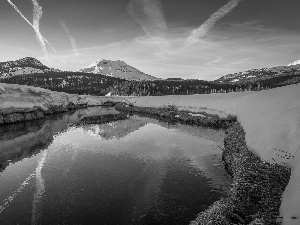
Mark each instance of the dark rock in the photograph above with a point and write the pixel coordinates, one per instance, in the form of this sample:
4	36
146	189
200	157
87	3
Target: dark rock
71	106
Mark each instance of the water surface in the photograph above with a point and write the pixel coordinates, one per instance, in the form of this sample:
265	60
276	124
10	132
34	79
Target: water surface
134	171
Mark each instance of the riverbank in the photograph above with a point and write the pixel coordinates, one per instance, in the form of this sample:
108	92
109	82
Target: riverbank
255	194
17	115
171	113
271	122
19	103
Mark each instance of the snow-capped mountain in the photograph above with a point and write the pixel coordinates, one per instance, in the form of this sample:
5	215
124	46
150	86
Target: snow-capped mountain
22	66
295	63
261	74
116	69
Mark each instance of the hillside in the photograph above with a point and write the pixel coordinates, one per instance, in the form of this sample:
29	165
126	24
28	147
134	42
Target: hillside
69	82
23	66
189	87
260	74
14	97
117	69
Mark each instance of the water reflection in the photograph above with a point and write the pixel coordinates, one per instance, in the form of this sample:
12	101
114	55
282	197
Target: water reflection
22	140
40	188
134	171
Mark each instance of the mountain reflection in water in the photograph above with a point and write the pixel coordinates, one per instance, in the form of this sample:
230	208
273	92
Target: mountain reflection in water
133	171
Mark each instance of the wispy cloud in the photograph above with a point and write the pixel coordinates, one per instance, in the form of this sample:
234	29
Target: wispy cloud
37	15
71	38
149	14
210	23
18	11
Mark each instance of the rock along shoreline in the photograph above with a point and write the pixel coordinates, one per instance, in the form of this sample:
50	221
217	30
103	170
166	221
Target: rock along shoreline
255	194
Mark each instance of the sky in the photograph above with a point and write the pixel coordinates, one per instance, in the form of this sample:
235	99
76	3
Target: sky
191	39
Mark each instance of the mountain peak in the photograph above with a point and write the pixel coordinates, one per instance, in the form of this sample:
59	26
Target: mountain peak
116	68
294	63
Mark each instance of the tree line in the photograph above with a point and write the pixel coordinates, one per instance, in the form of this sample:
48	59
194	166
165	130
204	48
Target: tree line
189	87
96	84
69	82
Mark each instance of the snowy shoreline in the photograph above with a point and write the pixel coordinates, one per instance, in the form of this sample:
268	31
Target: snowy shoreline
271	121
254	196
20	103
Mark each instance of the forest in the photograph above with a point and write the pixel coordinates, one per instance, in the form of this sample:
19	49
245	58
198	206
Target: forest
69	82
96	84
189	87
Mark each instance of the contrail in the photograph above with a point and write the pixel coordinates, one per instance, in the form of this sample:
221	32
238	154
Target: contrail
37	15
210	23
16	8
149	14
71	38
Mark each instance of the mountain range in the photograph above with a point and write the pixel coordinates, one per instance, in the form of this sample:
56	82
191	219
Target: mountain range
116	69
119	69
117	77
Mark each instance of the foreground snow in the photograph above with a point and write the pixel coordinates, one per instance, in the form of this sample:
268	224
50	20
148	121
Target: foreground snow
271	120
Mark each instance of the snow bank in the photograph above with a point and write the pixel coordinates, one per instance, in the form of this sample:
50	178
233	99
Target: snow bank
13	96
271	120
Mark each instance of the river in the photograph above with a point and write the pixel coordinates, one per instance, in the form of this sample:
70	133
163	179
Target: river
133	171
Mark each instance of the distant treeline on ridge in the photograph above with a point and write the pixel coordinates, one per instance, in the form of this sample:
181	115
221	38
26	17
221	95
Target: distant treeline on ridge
96	84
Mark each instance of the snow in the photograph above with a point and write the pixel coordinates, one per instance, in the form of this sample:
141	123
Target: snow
294	63
93	64
271	120
14	97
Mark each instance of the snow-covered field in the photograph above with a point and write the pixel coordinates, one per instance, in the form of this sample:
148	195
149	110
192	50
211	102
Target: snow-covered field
13	97
271	120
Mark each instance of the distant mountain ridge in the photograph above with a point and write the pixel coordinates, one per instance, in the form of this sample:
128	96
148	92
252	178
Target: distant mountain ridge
27	65
260	74
24	62
104	76
117	69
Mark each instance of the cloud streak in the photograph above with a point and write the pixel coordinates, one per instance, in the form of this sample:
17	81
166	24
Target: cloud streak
149	14
18	11
71	38
210	23
37	15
